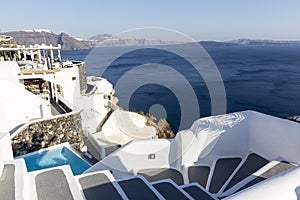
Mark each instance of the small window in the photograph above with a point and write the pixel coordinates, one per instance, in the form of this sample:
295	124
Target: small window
73	78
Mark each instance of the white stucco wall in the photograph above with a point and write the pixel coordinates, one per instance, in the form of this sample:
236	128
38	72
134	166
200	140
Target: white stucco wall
71	91
6	150
71	88
9	71
17	105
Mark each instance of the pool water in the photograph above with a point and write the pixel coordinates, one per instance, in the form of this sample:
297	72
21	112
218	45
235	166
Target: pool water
56	157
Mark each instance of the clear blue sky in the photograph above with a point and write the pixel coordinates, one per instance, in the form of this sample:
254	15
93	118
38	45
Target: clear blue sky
202	20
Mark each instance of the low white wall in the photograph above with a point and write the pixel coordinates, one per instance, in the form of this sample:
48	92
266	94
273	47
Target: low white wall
275	138
219	136
134	156
238	134
285	186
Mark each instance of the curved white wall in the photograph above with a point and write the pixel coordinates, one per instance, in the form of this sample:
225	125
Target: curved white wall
17	105
231	135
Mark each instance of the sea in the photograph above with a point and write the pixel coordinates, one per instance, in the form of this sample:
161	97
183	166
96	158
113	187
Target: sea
163	82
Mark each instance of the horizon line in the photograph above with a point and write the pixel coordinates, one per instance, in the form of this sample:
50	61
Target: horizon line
111	35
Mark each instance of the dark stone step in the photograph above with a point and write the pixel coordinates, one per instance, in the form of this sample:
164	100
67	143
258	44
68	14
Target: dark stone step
223	170
157	174
197	193
253	163
98	185
277	169
170	191
198	174
136	189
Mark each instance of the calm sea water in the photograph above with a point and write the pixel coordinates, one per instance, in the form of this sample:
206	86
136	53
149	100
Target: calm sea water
260	78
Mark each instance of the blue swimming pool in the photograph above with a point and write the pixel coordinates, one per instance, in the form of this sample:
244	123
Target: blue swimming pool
55	157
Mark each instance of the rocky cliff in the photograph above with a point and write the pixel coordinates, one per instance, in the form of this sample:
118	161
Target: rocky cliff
47	37
31	37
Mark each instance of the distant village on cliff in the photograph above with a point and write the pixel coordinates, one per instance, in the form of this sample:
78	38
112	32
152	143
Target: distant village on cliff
43	36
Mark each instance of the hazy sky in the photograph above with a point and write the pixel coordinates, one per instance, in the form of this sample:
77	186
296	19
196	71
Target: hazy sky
200	19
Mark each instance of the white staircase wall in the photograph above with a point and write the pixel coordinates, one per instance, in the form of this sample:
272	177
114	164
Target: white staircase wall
275	138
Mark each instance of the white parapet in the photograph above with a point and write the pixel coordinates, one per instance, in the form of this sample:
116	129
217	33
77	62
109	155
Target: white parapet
284	186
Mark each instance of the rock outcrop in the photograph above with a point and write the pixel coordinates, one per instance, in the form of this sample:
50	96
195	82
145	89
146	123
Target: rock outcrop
295	118
163	128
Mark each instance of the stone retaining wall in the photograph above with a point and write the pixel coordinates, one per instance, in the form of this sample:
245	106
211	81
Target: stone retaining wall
46	133
82	77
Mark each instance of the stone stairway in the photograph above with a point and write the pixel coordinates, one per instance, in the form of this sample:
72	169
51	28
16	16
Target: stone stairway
230	175
101	184
227	176
170	190
59	183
